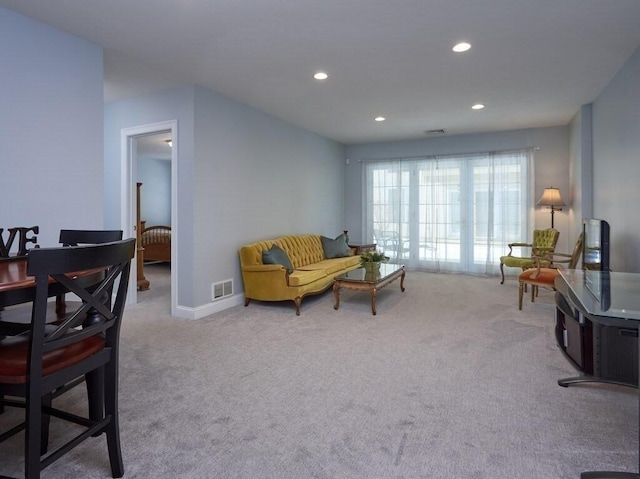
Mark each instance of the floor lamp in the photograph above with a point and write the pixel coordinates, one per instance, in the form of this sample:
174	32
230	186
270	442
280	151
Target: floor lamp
551	197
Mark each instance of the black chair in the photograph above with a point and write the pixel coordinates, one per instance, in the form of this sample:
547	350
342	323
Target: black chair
80	237
84	237
35	364
18	319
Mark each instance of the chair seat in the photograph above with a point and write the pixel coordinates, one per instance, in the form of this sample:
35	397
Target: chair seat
14	354
545	276
516	262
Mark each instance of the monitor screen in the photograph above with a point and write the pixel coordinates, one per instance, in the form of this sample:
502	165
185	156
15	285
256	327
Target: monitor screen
595	248
595	260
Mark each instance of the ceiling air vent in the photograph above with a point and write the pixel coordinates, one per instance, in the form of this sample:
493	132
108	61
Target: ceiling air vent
434	132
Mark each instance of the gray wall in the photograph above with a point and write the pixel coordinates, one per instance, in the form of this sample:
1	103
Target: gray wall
256	177
243	176
51	131
551	166
174	104
155	204
581	168
616	163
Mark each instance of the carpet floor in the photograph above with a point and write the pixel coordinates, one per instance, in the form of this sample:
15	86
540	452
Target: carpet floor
448	380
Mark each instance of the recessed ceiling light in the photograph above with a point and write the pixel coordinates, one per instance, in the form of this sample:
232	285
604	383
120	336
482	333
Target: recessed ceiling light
320	76
379	118
461	47
477	106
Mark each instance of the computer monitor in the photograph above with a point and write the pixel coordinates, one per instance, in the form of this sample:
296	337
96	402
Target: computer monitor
595	246
595	260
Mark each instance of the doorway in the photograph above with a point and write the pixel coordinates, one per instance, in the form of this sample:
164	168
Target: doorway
149	141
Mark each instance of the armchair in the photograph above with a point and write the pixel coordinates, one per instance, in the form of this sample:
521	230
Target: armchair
543	276
544	241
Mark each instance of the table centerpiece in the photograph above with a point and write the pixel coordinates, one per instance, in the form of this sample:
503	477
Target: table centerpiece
371	260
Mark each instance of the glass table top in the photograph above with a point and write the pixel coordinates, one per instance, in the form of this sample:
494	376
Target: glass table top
610	294
360	275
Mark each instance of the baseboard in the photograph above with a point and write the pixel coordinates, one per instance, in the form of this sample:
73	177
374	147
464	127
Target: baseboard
209	308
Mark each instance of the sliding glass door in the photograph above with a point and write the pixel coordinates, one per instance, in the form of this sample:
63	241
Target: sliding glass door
449	213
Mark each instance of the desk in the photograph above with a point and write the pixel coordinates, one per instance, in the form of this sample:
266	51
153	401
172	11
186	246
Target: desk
610	301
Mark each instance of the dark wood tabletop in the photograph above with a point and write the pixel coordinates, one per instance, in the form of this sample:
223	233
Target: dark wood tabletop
16	286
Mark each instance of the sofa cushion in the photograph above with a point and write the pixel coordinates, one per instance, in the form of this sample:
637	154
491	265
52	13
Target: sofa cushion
301	277
334	265
335	248
276	255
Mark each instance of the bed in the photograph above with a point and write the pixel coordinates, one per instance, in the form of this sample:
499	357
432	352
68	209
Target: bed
156	241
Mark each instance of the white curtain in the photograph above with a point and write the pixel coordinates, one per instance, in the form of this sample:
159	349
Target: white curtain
449	213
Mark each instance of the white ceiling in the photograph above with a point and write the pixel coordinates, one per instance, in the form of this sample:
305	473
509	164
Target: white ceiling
533	62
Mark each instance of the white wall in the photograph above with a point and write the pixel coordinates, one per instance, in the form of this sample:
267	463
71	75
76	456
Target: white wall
616	163
155	205
51	130
173	104
551	167
243	176
581	170
256	177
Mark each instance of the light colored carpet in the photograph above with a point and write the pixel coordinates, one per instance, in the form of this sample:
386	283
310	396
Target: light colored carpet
449	380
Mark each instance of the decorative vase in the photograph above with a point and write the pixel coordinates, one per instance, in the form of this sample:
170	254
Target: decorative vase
372	267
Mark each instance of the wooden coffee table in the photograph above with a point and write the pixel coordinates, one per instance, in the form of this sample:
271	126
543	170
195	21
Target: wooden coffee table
360	280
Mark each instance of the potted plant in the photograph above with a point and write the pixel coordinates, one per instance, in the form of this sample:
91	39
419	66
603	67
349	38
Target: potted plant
371	260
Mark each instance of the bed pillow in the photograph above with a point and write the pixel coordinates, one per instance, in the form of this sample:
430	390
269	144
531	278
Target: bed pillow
276	255
335	248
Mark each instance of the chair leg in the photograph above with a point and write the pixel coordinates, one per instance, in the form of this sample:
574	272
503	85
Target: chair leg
534	290
112	429
44	426
33	430
520	293
502	273
95	393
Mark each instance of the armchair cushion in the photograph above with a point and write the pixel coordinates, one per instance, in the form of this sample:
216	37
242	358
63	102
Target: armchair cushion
544	241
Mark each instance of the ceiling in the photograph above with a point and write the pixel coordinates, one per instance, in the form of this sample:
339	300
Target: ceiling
533	63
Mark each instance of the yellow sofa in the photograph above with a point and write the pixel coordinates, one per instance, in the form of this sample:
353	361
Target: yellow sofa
312	272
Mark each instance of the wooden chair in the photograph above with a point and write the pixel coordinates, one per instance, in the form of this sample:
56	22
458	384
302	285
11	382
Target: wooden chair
18	318
84	237
543	276
80	237
85	343
544	241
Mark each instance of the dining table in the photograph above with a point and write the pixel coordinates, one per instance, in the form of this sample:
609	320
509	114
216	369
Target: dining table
17	287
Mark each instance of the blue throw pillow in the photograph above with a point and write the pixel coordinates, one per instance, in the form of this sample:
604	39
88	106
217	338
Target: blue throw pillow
335	248
276	255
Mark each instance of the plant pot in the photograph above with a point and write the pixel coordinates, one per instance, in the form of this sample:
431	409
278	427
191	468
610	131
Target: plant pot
372	267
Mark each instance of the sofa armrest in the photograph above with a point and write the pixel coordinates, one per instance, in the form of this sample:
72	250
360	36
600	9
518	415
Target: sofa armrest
264	281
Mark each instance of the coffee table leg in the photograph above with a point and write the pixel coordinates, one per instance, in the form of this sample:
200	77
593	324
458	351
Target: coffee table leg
402	281
336	295
373	301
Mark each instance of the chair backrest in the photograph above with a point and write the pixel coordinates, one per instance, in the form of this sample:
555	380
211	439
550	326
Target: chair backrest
546	239
79	237
106	312
577	251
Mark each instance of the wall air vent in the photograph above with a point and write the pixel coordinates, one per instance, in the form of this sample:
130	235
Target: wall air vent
221	290
434	132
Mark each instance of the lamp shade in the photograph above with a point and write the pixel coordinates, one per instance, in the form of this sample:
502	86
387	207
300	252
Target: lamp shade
551	197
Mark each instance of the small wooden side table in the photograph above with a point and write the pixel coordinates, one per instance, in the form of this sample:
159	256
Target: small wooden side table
359	248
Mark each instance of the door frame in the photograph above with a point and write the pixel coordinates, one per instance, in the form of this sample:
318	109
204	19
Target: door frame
128	180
